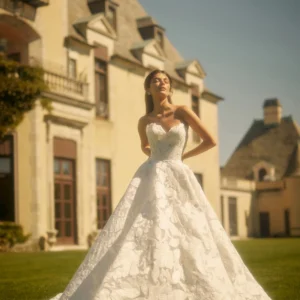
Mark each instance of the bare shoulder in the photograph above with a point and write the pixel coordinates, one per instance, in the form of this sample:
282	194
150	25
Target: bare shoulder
183	109
142	121
183	112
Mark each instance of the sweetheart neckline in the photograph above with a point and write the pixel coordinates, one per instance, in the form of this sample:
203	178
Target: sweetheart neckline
165	131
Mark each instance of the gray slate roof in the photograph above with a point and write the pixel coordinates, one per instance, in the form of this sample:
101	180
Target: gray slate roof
129	11
275	144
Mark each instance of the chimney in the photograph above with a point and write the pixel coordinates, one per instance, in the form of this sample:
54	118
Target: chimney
272	111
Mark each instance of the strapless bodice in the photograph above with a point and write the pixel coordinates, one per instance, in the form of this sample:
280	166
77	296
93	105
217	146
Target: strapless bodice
167	145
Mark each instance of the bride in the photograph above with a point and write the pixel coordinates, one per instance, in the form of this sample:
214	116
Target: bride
164	241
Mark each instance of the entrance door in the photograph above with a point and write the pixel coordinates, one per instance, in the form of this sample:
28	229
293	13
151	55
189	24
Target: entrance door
264	221
287	222
64	197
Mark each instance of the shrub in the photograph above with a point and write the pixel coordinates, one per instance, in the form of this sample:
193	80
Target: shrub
10	234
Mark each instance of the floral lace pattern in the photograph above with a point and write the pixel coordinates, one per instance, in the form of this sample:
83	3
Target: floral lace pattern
163	240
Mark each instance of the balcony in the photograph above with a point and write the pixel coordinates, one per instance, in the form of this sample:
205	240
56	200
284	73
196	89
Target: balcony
269	185
37	3
65	86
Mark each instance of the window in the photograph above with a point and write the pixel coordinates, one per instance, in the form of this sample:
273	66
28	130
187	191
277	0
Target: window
222	210
101	88
160	38
72	68
246	218
103	186
7	204
14	56
232	208
287	224
5	165
195	108
199	177
3	45
261	174
112	17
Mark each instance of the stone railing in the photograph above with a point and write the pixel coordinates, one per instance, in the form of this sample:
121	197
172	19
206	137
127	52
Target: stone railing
36	3
270	185
66	86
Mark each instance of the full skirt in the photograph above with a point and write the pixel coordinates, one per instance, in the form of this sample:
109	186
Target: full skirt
163	242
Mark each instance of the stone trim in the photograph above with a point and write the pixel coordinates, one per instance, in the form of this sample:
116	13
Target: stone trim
65	121
69	101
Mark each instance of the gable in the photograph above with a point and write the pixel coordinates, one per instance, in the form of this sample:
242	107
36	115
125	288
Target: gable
96	23
192	67
149	48
101	25
154	49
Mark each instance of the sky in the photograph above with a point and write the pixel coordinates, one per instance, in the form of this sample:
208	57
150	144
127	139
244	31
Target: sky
250	50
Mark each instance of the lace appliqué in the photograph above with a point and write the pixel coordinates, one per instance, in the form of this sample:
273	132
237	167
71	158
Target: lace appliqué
163	240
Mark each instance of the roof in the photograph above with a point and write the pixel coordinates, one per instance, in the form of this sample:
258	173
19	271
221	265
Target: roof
147	21
275	144
294	165
130	12
208	91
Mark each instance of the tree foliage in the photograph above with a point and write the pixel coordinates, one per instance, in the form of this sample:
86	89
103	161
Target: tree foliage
20	86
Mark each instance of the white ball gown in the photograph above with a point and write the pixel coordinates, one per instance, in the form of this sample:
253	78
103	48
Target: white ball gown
163	241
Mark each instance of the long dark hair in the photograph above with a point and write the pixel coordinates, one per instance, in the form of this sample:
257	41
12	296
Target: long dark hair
148	98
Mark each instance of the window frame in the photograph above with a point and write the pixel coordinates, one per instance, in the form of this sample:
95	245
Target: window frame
98	73
72	76
111	8
196	109
199	177
103	190
232	200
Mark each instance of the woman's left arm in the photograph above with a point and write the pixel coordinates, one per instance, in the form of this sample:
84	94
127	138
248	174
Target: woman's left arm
195	123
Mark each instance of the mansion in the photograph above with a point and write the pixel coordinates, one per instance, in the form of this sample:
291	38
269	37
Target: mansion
63	173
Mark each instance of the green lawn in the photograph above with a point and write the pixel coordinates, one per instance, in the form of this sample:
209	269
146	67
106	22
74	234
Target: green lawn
28	276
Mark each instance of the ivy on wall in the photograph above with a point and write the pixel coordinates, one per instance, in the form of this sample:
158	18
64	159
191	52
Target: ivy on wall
20	86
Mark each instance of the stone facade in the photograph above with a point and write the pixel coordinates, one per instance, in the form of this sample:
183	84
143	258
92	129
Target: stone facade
55	156
263	176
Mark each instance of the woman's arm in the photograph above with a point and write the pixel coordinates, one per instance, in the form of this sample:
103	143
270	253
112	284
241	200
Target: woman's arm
195	123
143	137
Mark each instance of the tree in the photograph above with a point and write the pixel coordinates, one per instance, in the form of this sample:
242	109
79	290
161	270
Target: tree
20	86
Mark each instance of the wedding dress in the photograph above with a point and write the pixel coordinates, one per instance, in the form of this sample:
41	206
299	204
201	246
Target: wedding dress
163	241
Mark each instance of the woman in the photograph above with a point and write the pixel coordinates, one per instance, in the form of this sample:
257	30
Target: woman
163	240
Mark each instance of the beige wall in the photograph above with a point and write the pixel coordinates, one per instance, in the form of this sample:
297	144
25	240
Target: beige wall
115	139
242	190
255	198
293	201
273	203
51	23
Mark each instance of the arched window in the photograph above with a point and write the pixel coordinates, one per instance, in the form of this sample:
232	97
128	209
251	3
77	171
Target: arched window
261	174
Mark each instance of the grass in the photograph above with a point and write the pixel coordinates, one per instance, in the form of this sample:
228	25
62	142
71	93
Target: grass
275	263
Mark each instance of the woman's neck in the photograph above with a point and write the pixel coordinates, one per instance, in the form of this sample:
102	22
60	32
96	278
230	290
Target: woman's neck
160	106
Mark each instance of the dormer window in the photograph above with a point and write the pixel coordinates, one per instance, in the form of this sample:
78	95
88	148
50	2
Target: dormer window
149	29
112	17
264	171
261	174
160	38
108	7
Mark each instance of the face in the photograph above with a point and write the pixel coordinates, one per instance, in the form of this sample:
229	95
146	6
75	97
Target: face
159	85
